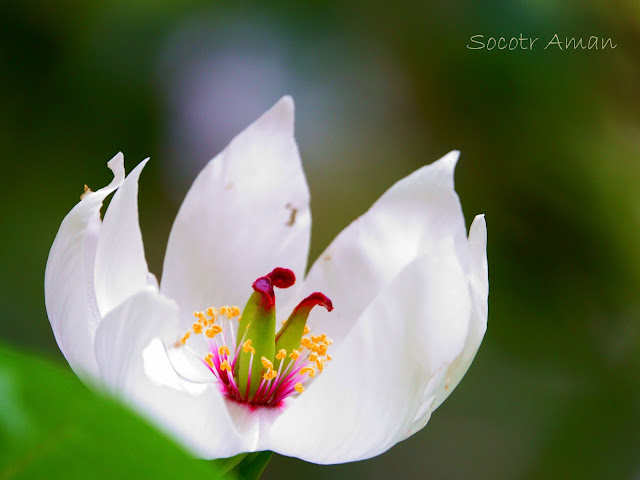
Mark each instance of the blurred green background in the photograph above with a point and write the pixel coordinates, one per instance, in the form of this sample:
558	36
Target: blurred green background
550	145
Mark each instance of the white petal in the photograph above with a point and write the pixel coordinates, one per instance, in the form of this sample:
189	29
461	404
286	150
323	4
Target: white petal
478	278
196	417
188	366
367	397
246	213
448	379
411	218
120	266
69	277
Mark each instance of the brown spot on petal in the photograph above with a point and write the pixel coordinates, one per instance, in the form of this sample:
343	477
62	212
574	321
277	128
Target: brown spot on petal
228	186
292	214
86	190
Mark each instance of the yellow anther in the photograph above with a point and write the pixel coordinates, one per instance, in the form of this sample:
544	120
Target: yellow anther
328	358
197	328
246	346
306	342
294	354
313	347
209	359
322	349
270	374
299	388
211	312
234	311
184	339
306	330
313	357
224	310
213	331
266	363
281	354
223	350
320	364
318	338
310	370
225	366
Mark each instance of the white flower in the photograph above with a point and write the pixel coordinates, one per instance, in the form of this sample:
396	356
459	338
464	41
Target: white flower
409	290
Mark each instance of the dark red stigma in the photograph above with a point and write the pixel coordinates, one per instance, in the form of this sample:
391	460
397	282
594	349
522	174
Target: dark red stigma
314	299
282	277
279	277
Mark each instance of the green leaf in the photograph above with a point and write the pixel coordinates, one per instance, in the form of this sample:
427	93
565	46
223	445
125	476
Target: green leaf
227	464
51	426
252	466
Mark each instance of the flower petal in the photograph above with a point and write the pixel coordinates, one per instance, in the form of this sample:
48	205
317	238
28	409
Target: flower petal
410	219
69	277
441	386
367	397
246	213
120	266
145	379
478	278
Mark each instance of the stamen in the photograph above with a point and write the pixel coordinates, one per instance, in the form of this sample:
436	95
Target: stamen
229	312
246	346
213	331
270	374
310	370
266	363
209	359
276	378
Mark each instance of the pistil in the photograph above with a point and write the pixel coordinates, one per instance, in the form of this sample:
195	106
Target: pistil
262	369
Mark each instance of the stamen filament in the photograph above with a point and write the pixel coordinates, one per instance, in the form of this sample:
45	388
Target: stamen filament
289	360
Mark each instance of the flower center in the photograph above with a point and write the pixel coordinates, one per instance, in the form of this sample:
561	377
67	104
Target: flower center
252	364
